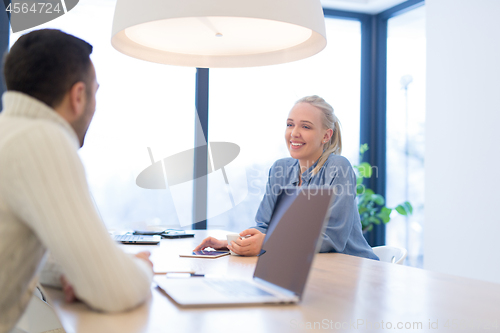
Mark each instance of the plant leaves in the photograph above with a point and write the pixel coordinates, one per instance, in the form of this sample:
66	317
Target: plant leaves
363	148
386	211
409	207
371	206
401	210
373	219
405	208
365	170
369	192
385	214
360	189
378	199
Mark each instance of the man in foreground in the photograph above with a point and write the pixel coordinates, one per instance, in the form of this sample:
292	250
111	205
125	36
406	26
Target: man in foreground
45	204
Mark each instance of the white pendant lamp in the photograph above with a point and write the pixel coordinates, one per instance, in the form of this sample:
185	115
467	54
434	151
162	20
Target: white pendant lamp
219	33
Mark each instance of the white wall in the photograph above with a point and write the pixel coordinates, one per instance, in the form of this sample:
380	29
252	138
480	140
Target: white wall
462	198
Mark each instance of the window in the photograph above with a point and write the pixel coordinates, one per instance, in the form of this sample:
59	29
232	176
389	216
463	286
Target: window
139	105
405	129
143	105
249	107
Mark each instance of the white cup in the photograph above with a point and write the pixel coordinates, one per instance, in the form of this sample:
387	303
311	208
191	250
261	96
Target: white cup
232	238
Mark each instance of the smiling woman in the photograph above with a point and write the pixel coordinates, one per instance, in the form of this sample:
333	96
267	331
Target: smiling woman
313	132
313	139
305	134
249	107
141	105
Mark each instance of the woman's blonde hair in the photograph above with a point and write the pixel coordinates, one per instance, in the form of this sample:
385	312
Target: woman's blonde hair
330	121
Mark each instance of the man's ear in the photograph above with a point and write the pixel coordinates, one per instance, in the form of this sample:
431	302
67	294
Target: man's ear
77	99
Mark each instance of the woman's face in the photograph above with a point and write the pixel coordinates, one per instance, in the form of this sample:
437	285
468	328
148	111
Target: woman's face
305	134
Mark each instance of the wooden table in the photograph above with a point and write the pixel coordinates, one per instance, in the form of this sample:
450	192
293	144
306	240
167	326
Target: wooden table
343	293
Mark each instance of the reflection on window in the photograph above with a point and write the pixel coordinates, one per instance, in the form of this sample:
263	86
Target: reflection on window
139	105
405	129
249	107
142	104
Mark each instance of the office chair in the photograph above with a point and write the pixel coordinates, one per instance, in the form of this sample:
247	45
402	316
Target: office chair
39	316
392	254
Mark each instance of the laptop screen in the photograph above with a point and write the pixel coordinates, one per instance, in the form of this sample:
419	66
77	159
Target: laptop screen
293	233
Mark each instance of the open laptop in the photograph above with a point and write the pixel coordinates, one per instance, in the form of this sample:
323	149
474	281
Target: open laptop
137	239
282	269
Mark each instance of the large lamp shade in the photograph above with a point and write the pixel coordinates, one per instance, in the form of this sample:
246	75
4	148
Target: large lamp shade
219	33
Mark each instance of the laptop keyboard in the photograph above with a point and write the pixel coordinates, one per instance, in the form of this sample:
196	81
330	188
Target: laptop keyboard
136	238
126	238
237	288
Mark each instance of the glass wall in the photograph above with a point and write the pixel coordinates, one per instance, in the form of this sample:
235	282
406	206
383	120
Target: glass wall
139	105
249	107
406	47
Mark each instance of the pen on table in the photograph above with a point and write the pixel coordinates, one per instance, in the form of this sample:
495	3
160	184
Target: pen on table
183	275
176	272
180	274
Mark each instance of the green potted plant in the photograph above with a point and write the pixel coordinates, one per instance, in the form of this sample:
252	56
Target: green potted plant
371	206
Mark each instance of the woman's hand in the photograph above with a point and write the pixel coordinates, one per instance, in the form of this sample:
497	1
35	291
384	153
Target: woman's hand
215	243
249	246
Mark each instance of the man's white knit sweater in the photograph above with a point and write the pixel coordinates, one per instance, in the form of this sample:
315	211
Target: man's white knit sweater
45	205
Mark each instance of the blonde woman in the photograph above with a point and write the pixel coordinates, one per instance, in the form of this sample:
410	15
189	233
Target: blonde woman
314	141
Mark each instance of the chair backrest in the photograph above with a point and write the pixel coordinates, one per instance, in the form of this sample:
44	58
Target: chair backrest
391	254
39	317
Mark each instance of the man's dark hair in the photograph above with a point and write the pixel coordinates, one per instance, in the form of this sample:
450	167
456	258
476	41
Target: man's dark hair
46	63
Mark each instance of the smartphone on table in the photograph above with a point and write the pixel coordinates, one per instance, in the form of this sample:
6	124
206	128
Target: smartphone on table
205	254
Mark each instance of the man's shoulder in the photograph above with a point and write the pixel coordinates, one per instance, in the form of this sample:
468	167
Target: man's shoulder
30	127
17	132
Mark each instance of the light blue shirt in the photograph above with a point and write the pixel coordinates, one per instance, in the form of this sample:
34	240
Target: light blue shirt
343	233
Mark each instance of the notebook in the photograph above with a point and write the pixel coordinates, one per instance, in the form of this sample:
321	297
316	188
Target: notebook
282	269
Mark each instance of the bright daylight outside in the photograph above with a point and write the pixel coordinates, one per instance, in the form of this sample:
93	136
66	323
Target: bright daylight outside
406	130
142	104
